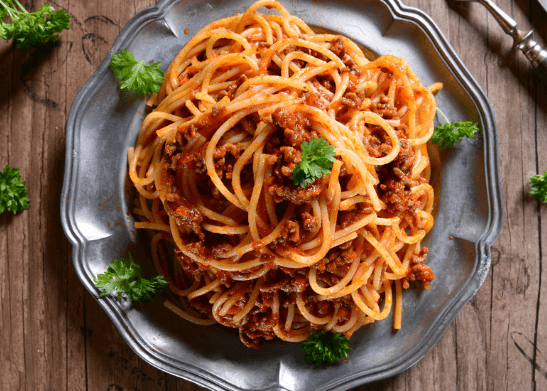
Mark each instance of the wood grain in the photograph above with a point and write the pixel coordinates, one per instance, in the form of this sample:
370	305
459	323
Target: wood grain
54	336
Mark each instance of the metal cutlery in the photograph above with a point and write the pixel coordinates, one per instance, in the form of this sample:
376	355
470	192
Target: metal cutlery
521	40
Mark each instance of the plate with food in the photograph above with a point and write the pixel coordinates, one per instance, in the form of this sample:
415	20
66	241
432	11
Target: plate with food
282	185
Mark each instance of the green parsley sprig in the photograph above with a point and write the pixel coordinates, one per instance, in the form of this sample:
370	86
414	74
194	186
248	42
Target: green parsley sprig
539	187
135	75
31	28
13	191
124	278
316	159
324	347
451	132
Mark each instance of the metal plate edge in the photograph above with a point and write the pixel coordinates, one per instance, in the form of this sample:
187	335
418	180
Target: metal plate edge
444	319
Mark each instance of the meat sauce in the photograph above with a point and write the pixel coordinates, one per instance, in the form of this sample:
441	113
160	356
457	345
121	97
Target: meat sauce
283	148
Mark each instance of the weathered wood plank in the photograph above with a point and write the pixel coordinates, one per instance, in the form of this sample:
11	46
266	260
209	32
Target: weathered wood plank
37	256
515	273
26	318
76	74
536	348
540	338
12	358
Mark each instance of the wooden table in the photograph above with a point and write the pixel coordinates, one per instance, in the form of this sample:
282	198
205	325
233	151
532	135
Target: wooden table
54	336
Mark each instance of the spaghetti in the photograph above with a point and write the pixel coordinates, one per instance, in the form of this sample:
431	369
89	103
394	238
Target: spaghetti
212	168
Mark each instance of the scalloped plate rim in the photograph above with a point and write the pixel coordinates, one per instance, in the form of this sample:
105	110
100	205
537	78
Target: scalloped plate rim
442	320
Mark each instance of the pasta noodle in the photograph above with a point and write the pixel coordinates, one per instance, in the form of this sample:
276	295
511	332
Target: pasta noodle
213	164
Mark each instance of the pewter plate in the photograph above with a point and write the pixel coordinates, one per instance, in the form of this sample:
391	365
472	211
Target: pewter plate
95	204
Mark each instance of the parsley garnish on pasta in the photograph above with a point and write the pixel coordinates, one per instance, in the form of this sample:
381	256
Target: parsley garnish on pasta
316	159
325	347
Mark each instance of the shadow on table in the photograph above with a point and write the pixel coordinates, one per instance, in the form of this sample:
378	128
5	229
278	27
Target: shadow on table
25	64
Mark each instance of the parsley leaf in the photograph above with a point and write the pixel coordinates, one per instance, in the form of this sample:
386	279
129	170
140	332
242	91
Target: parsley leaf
445	136
135	75
13	191
124	277
31	28
539	187
324	347
316	159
